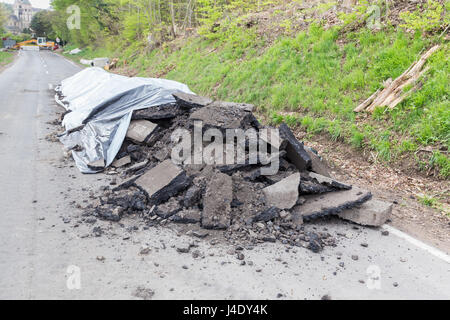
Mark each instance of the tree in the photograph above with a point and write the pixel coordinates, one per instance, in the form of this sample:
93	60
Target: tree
3	17
41	24
140	20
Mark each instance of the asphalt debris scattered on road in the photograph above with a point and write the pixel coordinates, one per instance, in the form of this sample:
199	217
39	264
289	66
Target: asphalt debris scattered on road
239	200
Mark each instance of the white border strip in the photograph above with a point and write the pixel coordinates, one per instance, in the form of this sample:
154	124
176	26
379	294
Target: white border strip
68	60
435	252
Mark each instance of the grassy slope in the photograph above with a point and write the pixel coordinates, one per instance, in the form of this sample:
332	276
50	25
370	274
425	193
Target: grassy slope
314	80
5	58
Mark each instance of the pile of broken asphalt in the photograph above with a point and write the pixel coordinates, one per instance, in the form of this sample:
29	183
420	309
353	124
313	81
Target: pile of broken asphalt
236	200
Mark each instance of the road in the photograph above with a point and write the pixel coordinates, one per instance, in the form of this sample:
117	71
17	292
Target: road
46	254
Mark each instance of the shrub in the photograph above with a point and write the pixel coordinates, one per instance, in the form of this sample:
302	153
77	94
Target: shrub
426	18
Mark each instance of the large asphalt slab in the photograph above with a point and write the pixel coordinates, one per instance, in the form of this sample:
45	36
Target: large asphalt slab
44	256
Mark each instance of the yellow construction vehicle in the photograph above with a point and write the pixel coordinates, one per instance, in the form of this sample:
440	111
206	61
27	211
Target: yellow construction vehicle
41	42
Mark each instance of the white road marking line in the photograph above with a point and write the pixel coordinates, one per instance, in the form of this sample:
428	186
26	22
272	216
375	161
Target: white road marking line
50	86
69	61
435	252
46	72
72	63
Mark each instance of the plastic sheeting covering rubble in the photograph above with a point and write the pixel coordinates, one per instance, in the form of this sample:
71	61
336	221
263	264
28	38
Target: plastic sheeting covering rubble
100	106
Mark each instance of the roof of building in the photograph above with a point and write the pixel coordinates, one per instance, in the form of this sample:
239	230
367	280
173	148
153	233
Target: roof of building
13	17
27	2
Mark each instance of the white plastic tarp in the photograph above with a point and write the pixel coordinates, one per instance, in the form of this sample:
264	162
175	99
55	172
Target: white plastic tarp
101	104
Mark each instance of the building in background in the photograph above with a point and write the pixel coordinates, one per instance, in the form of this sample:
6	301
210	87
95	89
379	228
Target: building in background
21	17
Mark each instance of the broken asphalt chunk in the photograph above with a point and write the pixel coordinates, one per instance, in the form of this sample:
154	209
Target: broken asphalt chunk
122	162
318	165
315	243
108	213
224	118
272	137
284	194
311	187
333	203
166	111
244	106
193	196
191	101
163	182
97	165
295	149
126	183
140	130
329	182
373	213
138	166
217	202
134	201
188	216
168	209
184	248
267	215
200	234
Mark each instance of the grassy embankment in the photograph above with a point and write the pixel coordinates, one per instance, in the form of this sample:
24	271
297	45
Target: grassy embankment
314	80
5	58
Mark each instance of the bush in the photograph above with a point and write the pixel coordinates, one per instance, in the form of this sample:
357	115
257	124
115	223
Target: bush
426	18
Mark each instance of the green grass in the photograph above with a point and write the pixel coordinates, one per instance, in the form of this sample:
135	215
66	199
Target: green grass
88	53
436	203
5	58
318	82
428	201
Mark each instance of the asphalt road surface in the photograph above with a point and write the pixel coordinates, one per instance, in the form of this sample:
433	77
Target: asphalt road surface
45	254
